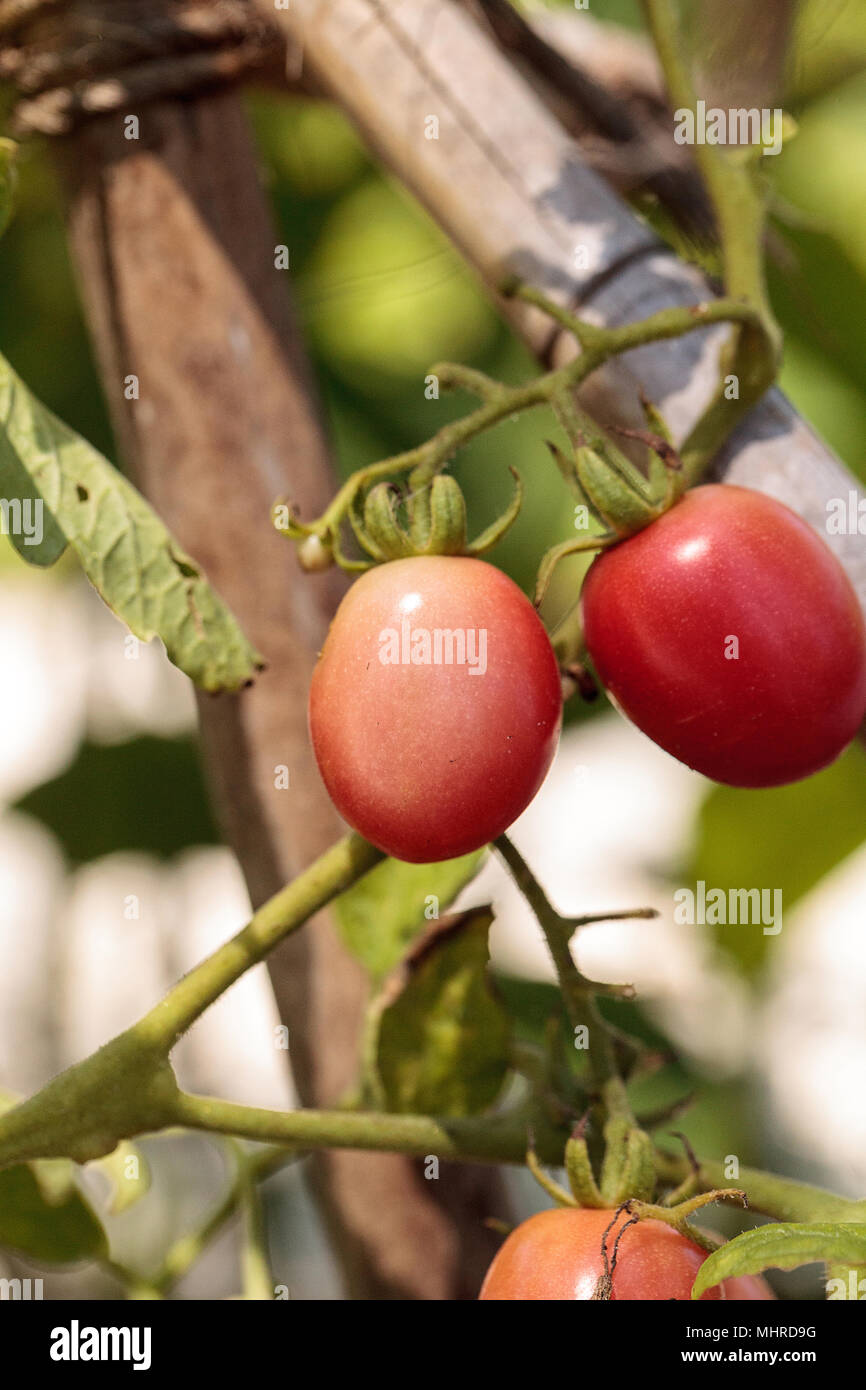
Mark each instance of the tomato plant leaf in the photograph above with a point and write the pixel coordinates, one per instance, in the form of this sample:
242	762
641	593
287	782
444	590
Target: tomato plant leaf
42	1211
125	550
381	916
30	526
57	1231
441	1043
783	1245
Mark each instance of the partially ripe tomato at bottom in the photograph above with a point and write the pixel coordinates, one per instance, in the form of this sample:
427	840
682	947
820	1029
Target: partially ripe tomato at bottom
435	706
728	632
557	1255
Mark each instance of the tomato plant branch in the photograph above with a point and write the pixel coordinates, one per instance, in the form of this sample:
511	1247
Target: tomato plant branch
328	876
253	1166
257	1280
128	1086
739	205
500	402
782	1198
498	1138
735	196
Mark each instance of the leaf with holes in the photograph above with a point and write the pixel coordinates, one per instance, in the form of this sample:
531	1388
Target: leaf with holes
126	551
442	1036
783	1245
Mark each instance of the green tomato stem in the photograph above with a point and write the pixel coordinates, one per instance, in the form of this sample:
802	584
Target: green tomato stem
128	1086
480	1139
782	1198
486	1139
739	205
500	402
254	1167
328	876
257	1280
577	991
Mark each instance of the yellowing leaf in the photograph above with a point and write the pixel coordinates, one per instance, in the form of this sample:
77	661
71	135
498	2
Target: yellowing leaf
441	1046
382	914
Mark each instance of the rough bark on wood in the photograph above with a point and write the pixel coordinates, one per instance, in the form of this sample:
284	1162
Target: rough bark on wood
603	86
175	254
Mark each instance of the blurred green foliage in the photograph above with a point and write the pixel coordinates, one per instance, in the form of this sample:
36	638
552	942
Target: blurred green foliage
718	1117
784	838
146	794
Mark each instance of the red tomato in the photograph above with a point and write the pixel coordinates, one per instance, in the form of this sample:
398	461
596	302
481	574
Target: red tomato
557	1255
730	634
435	706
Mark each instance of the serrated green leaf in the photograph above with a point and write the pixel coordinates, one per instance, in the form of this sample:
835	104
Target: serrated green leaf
128	1173
442	1038
127	553
381	916
783	1245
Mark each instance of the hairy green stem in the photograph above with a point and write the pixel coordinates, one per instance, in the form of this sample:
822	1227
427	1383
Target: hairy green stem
128	1086
740	210
482	1139
500	402
329	875
491	1139
257	1280
737	204
577	992
782	1198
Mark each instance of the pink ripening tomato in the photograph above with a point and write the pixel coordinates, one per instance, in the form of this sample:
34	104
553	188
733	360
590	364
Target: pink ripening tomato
730	634
435	706
557	1255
